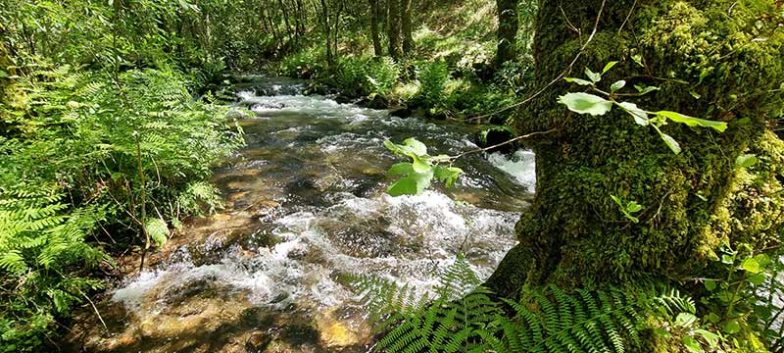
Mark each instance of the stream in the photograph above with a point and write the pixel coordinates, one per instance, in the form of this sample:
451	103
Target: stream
305	204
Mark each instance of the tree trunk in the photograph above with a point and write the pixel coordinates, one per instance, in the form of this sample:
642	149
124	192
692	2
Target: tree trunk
374	34
393	28
300	19
574	235
285	11
507	31
327	33
408	40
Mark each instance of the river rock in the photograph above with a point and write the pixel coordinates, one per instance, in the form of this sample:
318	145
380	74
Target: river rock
257	342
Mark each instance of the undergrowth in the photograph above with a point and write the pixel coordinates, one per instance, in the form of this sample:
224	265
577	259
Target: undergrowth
459	315
94	156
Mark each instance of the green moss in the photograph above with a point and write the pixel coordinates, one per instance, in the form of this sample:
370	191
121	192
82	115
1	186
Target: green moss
719	60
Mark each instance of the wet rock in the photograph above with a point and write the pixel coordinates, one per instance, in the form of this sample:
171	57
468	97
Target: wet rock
336	331
495	136
258	342
263	106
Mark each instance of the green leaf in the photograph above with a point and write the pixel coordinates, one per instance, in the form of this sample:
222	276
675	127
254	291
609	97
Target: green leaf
671	143
692	345
448	175
746	161
585	103
609	66
643	90
633	207
411	147
617	86
578	81
757	279
711	338
640	116
751	265
710	285
158	230
719	126
713	318
420	165
593	76
400	169
411	184
731	327
404	186
638	59
685	319
416	146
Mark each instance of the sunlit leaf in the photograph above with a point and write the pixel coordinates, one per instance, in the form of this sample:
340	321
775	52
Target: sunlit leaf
593	76
719	126
617	86
416	146
640	116
671	143
578	81
420	165
586	103
609	66
643	90
401	169
158	230
638	59
447	175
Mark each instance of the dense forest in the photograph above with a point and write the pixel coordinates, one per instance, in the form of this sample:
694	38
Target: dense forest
132	131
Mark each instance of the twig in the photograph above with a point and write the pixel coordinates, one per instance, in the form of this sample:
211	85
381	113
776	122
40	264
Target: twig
518	138
96	310
628	16
557	78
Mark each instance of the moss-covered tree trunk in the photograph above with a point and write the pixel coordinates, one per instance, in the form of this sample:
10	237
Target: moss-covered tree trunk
714	59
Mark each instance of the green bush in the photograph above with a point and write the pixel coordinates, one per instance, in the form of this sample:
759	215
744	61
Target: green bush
433	78
306	63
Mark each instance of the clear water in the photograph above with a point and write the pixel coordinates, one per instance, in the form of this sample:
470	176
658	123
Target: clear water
305	204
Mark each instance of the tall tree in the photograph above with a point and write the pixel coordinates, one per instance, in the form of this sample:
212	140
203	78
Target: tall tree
375	13
507	31
408	40
707	63
394	28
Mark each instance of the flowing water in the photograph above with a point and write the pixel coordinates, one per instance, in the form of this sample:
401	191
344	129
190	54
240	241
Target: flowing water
305	205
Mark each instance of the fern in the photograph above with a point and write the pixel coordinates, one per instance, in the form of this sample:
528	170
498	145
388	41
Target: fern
461	316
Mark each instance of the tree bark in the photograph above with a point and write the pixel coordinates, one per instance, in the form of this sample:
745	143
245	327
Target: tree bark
327	27
574	235
507	31
374	33
408	40
285	12
394	28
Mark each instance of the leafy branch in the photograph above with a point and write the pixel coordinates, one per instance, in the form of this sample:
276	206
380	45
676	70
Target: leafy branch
417	175
597	105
